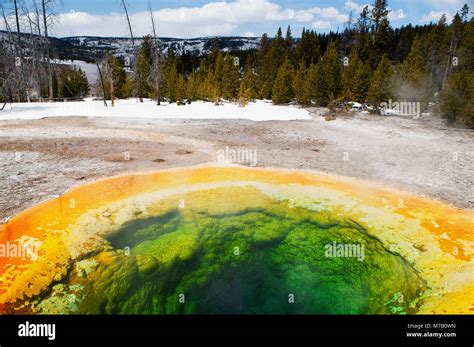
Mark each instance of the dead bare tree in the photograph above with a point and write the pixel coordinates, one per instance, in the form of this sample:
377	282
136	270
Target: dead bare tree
102	82
110	75
10	59
17	21
455	35
35	49
3	75
46	6
156	57
124	5
21	66
137	72
40	51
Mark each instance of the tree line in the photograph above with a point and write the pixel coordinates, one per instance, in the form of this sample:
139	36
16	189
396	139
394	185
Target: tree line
368	62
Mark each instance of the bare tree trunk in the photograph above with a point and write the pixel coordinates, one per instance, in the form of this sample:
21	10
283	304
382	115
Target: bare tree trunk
137	72
18	49
34	75
452	48
157	56
23	68
12	80
128	21
111	79
48	56
17	20
41	49
102	84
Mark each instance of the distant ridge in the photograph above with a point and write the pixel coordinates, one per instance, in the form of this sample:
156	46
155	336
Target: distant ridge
121	46
91	48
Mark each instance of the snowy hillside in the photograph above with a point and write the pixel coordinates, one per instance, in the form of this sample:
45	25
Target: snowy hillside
90	49
121	46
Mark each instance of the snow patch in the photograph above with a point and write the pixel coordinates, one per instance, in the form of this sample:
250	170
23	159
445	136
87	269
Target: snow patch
255	111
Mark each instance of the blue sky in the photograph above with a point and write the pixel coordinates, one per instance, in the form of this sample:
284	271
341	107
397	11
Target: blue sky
193	18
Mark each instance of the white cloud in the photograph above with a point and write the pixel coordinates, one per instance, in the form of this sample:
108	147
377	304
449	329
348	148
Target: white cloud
249	34
329	13
321	24
434	16
213	18
354	7
393	15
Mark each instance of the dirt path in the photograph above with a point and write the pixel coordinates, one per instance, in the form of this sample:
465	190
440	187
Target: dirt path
43	158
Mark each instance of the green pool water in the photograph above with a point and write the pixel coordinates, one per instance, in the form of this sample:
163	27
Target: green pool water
252	261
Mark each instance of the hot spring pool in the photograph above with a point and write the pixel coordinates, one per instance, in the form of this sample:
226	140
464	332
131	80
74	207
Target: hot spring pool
234	240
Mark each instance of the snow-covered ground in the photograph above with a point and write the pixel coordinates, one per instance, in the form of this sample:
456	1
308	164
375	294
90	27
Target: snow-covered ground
255	111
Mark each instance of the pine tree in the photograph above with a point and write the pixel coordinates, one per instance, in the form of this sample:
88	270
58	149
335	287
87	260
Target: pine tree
82	83
181	90
71	83
265	71
192	87
348	76
230	79
245	95
456	33
379	90
282	88
247	89
437	51
332	72
215	52
412	81
211	90
416	63
276	57
466	46
457	96
382	40
355	79
361	82
201	87
289	45
379	14
349	34
119	79
317	83
404	36
142	70
172	78
307	49
363	39
218	75
301	86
